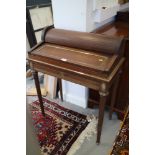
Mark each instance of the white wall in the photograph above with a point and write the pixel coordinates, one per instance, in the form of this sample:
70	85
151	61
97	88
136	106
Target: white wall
79	14
69	14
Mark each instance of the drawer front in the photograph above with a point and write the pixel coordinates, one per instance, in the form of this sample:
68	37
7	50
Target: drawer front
66	75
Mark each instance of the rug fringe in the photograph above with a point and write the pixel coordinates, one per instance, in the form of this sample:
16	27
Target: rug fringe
86	134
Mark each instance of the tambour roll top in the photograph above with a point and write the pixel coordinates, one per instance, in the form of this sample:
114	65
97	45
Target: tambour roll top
84	40
91	53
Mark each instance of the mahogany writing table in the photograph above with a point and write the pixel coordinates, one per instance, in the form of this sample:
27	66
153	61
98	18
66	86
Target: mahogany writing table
87	59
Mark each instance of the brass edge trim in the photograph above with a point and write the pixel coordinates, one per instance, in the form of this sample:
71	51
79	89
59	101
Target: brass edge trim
81	73
115	69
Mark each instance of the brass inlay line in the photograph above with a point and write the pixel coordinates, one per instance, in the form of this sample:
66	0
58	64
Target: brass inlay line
77	51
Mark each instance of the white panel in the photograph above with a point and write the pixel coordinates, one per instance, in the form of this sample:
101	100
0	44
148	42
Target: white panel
69	14
50	83
41	17
75	93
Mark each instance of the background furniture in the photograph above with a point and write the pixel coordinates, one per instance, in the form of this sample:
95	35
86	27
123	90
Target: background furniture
36	13
119	27
38	16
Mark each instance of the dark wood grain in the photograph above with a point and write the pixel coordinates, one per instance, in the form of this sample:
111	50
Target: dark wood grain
102	103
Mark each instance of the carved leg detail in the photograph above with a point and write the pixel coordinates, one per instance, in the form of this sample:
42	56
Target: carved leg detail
113	98
103	98
36	79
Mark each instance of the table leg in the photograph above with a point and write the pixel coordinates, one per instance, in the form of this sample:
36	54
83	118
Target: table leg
60	86
113	98
36	80
103	98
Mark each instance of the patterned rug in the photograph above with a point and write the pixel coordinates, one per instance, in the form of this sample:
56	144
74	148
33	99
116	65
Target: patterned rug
60	129
121	145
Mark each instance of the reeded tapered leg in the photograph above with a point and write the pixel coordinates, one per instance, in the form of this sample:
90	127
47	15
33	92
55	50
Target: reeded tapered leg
113	97
60	87
36	79
103	98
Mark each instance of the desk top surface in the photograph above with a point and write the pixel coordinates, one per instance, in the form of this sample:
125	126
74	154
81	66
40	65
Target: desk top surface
78	57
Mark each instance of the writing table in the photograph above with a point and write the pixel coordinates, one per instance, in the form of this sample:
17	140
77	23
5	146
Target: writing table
91	60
